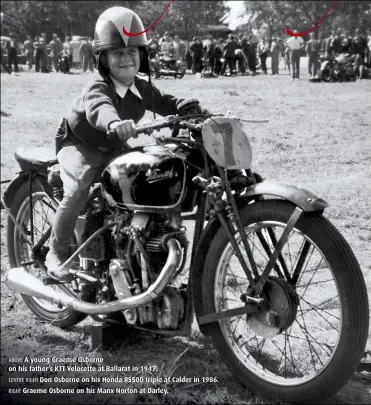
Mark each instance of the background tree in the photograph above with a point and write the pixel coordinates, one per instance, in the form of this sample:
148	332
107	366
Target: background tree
302	15
78	17
183	17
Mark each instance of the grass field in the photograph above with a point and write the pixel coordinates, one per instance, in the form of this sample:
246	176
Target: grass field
318	137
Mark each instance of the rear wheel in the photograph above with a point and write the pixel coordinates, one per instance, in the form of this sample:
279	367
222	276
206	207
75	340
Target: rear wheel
316	293
20	252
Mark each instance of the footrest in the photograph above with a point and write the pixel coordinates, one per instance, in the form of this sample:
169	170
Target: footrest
50	281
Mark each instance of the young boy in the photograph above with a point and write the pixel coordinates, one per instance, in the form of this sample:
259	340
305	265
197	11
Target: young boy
115	99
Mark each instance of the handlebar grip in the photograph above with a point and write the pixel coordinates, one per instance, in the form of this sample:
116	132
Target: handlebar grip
113	132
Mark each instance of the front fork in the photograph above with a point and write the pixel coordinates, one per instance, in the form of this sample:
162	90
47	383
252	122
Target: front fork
226	211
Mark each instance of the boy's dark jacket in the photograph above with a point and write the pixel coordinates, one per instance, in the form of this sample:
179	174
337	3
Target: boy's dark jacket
99	105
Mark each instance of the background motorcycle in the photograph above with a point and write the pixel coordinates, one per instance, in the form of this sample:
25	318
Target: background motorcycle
164	65
270	279
341	68
64	62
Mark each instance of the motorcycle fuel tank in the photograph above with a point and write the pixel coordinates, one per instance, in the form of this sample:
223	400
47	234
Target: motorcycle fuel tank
145	178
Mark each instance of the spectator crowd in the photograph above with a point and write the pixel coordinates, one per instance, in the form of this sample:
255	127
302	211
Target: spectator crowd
243	54
237	54
46	57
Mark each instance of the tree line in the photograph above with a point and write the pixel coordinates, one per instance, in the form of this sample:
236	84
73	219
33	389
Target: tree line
67	18
271	17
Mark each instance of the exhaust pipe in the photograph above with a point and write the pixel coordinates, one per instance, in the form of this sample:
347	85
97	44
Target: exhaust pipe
21	282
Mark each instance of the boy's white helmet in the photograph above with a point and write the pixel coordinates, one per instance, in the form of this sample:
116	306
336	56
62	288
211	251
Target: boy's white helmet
109	33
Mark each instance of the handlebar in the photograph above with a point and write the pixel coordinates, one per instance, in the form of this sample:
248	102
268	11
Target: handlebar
166	123
172	121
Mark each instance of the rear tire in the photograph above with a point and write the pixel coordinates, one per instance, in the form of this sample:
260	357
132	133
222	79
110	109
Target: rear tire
19	251
262	373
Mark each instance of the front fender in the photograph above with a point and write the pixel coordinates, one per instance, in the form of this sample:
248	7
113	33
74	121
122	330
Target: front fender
302	198
324	64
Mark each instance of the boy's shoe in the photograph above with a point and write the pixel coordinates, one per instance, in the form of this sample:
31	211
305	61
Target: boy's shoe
53	262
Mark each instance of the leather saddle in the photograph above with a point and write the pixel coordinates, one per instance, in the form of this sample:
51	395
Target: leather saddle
37	159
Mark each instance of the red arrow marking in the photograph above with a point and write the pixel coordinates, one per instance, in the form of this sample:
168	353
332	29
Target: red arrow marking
301	34
134	34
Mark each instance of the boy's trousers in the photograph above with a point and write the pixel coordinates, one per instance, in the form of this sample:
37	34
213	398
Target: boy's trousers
79	169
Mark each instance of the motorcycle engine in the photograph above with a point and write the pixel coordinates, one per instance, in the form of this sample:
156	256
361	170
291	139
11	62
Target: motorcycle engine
134	274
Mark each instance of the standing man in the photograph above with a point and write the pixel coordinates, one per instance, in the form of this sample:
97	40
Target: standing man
182	50
86	52
245	49
28	51
229	54
328	42
43	54
218	53
359	48
263	49
67	49
3	64
55	50
165	47
295	45
346	42
335	45
312	49
209	52
75	51
11	47
275	54
47	62
196	49
251	54
37	53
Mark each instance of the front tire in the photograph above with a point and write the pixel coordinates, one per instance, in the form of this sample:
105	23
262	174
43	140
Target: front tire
328	73
19	251
325	311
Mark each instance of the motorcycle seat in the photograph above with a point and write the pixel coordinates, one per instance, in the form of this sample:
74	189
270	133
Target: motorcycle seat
38	159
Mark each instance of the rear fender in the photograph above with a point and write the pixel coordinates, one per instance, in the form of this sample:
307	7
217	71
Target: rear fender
15	185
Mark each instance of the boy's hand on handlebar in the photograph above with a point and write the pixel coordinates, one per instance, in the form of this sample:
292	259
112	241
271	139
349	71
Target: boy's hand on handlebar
125	129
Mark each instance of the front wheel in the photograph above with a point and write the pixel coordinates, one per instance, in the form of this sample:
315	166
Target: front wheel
318	297
328	74
20	252
180	74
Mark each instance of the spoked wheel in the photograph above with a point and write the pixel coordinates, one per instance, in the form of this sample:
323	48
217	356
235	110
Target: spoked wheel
180	74
328	73
20	252
298	349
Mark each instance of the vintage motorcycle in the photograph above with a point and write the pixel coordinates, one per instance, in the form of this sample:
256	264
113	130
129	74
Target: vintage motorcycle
270	279
339	69
165	65
64	62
